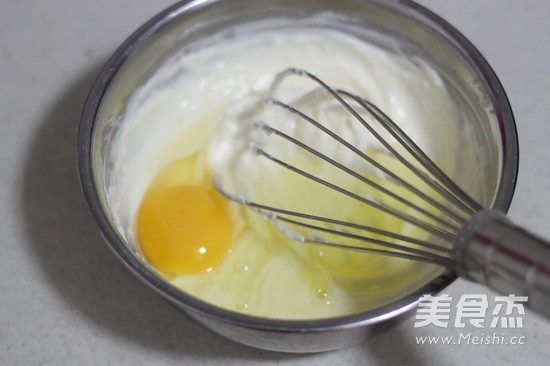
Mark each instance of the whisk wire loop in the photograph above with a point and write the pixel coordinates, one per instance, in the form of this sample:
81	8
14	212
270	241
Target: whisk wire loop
451	191
405	217
400	136
434	203
481	245
401	248
345	169
443	224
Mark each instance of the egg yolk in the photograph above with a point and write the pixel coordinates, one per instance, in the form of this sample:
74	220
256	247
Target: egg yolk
184	229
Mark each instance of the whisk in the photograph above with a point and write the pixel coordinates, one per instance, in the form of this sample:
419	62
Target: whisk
479	244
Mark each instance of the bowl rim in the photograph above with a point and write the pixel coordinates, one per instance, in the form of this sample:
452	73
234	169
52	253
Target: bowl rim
510	161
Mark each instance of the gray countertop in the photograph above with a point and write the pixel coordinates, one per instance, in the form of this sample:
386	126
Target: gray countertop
66	300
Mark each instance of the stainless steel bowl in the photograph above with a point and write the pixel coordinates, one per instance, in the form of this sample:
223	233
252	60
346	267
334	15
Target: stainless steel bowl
420	31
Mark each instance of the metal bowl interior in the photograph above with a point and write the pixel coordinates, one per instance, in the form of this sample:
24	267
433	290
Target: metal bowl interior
181	26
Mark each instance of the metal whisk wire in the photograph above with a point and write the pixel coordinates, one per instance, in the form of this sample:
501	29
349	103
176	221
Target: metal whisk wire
479	244
445	229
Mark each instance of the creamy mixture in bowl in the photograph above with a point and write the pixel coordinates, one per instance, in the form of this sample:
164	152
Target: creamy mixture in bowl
184	126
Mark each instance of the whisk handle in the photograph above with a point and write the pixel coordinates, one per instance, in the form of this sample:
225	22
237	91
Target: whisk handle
493	251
